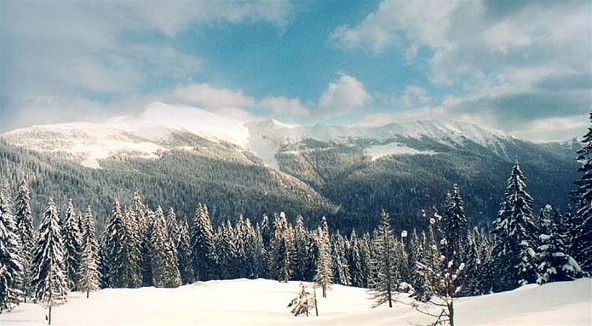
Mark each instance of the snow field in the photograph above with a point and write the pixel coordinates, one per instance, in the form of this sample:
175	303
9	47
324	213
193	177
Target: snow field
264	302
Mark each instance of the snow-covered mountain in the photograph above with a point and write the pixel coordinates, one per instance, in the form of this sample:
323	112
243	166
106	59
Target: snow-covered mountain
262	167
149	132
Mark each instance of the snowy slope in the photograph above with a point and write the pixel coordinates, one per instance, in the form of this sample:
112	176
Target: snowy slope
145	134
137	135
263	302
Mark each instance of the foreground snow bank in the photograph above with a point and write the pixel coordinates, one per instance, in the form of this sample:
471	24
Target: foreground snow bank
263	302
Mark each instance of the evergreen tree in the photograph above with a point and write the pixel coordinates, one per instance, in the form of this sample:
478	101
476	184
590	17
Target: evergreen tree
259	252
281	250
477	278
142	238
515	243
339	252
555	263
89	277
184	254
11	267
172	227
72	243
202	244
301	256
358	262
225	248
582	230
50	280
303	303
165	272
385	274
24	223
122	255
324	270
454	223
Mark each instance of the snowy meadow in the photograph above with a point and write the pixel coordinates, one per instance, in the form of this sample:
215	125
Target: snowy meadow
264	302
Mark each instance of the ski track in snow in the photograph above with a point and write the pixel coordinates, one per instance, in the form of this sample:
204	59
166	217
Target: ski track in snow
264	302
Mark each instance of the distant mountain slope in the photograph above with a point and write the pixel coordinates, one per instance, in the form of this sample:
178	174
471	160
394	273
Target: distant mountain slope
178	155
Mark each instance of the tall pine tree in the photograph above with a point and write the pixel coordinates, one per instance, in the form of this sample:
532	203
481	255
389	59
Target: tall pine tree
122	255
384	280
27	237
324	271
582	231
89	277
165	272
454	224
515	236
50	279
11	269
72	243
202	244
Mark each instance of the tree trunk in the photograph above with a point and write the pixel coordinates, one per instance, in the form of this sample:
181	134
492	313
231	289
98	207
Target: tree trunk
389	294
49	316
87	291
451	311
315	299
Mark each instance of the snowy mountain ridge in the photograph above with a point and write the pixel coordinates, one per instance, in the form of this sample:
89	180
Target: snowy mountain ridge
145	134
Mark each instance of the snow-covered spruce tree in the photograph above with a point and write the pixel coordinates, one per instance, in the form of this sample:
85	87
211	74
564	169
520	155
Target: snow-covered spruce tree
555	263
184	254
165	272
225	249
454	224
11	268
358	261
122	255
324	270
27	237
202	244
172	227
248	242
301	257
582	235
477	277
143	241
303	303
88	276
240	244
385	274
281	249
72	243
139	222
339	250
515	236
261	266
49	281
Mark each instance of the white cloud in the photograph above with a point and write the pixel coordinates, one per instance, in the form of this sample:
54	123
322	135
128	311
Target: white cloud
283	105
212	98
345	95
422	22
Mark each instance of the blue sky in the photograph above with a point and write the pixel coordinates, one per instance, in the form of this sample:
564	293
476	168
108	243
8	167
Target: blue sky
519	66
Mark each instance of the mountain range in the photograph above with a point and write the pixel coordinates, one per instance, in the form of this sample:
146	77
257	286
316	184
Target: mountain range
178	156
